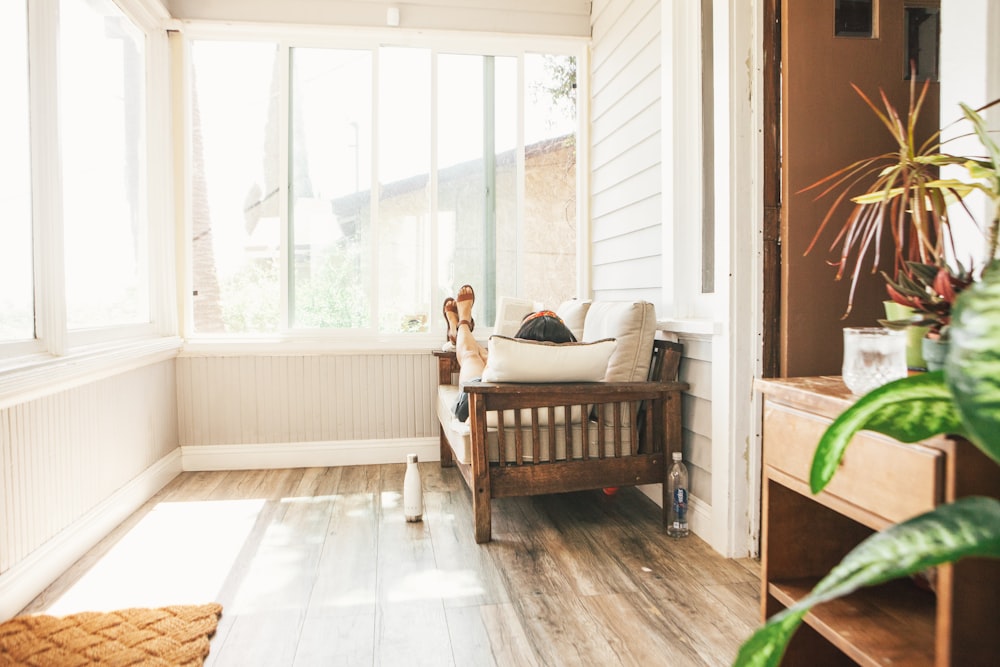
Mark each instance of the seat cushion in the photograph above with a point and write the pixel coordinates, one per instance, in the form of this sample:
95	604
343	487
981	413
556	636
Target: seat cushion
633	326
459	435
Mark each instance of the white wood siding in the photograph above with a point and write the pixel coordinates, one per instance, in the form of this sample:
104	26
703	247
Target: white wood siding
626	183
532	17
625	150
246	400
696	370
63	454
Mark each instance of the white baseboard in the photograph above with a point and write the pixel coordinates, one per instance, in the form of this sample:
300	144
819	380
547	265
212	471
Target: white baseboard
699	513
27	578
307	454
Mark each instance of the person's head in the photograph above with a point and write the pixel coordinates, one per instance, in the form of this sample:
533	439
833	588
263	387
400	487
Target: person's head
545	325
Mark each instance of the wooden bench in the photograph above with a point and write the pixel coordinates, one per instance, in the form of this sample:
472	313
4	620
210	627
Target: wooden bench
537	442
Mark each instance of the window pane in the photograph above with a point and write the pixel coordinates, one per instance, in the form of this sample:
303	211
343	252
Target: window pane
331	187
102	132
404	159
549	245
505	103
16	293
464	256
236	226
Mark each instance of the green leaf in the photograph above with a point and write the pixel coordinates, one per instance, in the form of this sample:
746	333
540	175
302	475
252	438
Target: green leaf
766	646
910	410
968	527
973	364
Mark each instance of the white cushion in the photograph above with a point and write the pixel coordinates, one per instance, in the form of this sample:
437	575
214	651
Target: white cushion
573	313
633	325
517	360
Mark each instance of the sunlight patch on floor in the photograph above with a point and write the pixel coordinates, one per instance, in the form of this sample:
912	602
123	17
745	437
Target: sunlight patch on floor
435	585
179	553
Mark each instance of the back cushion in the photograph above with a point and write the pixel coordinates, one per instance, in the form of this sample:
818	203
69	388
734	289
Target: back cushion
573	314
633	326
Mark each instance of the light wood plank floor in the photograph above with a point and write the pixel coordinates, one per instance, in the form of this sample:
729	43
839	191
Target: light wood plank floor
317	566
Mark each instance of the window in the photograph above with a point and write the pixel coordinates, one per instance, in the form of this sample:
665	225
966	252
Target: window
75	243
16	267
409	172
102	145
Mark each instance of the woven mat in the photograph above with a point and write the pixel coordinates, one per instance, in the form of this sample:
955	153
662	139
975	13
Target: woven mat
168	636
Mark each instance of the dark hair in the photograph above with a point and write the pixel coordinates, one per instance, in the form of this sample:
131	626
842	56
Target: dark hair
545	326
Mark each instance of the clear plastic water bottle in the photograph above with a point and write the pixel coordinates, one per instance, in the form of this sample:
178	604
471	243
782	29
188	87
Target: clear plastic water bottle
677	485
413	495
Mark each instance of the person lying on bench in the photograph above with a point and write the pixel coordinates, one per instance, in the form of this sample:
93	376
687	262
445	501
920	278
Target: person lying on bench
543	325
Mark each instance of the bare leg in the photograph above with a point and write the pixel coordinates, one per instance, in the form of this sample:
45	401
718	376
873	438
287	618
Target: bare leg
470	354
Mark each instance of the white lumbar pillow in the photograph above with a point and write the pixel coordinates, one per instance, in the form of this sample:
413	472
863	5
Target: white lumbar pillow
518	360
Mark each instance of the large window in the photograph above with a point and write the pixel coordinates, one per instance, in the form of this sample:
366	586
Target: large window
354	188
102	106
16	285
74	244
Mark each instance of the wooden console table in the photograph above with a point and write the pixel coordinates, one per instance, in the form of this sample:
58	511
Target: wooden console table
880	482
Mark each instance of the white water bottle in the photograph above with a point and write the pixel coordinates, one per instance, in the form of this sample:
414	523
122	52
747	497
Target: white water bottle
677	485
413	498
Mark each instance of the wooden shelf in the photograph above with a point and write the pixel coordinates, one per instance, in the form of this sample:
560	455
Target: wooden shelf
879	483
891	624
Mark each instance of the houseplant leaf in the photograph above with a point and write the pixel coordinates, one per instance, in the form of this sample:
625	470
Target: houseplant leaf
973	365
968	527
910	410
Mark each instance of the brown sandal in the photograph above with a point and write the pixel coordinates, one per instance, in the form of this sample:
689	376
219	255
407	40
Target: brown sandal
449	307
466	293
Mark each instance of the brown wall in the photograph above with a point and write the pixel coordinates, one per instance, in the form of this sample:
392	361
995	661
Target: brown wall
826	125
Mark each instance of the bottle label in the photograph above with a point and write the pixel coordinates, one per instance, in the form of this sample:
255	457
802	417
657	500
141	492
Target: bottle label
680	502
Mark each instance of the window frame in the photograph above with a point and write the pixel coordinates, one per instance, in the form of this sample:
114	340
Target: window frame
53	343
437	42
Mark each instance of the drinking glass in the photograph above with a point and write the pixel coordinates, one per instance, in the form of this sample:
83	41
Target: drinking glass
873	356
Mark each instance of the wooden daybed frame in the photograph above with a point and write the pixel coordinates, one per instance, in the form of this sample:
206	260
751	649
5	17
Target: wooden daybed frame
657	429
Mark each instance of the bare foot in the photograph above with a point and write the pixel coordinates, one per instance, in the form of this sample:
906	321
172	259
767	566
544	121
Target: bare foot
451	315
463	302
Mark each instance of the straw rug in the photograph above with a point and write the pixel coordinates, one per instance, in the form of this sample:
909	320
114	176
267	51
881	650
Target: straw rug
168	636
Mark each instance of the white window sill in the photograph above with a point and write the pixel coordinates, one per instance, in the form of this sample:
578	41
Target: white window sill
692	327
34	376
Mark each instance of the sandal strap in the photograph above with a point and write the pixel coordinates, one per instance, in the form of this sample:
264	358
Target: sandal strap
469	323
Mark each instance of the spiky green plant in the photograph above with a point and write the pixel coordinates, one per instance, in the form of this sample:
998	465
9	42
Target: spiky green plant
904	196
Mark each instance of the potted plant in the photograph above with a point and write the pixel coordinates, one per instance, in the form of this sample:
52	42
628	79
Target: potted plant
962	400
928	293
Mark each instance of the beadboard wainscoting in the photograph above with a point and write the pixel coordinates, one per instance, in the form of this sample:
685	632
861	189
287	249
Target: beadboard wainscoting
73	464
293	410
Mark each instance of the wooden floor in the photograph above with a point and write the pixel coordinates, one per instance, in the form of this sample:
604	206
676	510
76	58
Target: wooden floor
317	566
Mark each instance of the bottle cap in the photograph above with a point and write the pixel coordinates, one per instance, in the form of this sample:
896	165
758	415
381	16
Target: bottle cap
411	458
677	456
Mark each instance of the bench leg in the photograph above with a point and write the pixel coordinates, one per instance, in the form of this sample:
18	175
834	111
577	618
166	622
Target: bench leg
481	514
447	460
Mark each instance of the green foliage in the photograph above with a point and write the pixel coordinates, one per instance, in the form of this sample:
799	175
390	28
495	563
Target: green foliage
910	410
973	365
250	302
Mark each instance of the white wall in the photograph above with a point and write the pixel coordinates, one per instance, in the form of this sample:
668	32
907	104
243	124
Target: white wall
970	73
74	463
625	179
539	17
243	411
